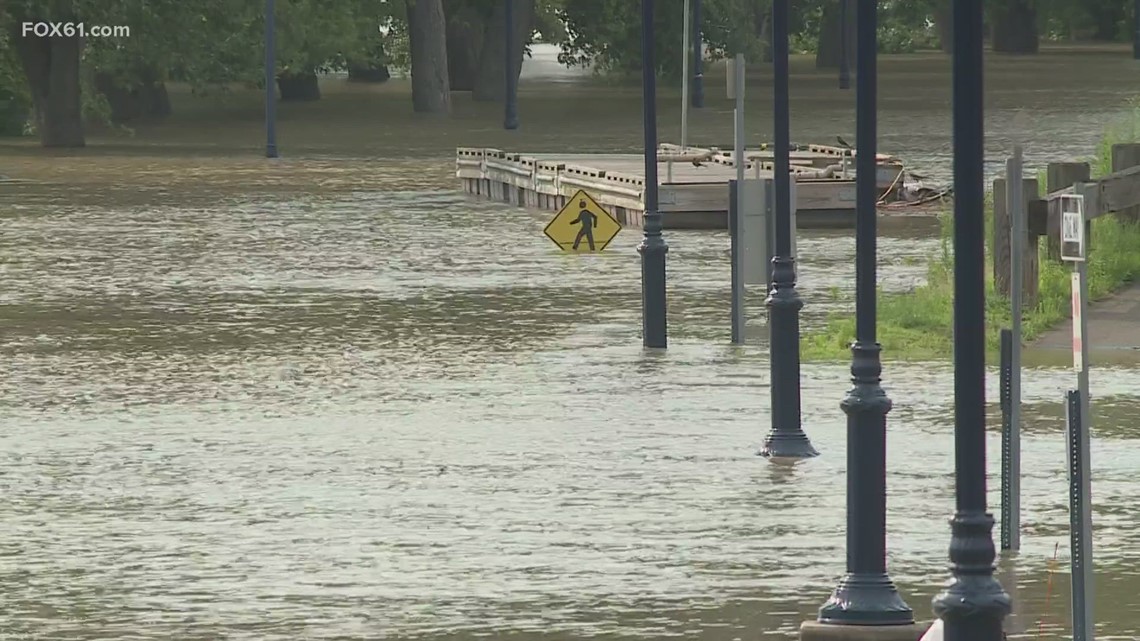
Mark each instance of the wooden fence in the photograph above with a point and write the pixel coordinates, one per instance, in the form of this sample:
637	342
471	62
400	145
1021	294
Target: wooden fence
1117	193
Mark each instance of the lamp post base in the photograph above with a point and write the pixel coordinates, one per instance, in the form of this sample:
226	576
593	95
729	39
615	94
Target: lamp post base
816	631
866	599
785	444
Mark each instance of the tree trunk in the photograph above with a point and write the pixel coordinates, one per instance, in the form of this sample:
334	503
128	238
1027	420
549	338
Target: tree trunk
944	24
1107	16
465	28
51	67
828	53
147	99
490	78
298	86
427	29
762	27
1015	28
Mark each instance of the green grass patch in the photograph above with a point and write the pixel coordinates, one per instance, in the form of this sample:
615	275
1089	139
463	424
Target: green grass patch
917	325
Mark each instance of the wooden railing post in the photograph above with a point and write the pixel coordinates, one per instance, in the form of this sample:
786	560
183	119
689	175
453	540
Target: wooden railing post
1060	175
1003	232
1125	155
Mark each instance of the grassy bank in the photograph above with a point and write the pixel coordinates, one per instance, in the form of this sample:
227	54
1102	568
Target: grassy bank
917	325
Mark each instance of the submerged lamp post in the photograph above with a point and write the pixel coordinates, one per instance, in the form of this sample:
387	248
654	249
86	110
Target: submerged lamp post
270	78
787	438
866	595
973	605
698	78
844	74
511	115
652	247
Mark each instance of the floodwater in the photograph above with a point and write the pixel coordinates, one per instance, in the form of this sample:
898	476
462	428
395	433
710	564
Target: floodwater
328	397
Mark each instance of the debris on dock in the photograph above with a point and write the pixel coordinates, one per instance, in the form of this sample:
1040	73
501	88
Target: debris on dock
693	184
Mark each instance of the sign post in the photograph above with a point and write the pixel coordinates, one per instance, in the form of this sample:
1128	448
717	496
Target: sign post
1011	450
735	80
1073	249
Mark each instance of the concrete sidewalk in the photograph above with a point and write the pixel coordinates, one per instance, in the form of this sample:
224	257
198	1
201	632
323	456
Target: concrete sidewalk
1114	326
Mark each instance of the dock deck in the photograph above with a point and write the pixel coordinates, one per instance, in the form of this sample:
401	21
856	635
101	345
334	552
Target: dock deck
692	194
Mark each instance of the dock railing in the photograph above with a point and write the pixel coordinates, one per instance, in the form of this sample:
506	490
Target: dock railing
1117	193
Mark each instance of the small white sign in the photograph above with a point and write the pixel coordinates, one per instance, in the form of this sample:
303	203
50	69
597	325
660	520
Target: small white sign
1072	227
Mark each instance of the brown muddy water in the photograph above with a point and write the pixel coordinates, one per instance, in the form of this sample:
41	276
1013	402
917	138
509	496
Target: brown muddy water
328	397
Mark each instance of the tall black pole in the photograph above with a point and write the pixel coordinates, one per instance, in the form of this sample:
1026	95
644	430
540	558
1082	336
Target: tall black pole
973	605
698	77
511	115
652	247
270	80
844	74
866	595
1136	30
787	438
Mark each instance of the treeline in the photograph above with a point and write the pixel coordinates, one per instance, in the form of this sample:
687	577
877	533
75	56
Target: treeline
52	82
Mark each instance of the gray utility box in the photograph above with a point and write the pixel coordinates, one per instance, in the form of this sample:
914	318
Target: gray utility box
758	228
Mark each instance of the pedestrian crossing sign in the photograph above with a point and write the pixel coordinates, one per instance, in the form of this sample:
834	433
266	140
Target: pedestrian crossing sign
582	225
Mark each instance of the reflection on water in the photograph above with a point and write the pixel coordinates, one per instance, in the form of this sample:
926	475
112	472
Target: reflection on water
331	398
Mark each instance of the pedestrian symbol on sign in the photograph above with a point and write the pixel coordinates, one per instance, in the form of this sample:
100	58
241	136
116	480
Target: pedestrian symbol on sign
587	220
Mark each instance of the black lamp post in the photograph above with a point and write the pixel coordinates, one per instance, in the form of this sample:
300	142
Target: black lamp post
787	438
270	80
652	248
973	605
844	74
511	111
698	77
866	595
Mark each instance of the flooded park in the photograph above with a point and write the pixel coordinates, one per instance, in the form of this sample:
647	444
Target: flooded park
329	396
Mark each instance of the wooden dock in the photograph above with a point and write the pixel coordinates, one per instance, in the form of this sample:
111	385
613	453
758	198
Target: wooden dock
692	193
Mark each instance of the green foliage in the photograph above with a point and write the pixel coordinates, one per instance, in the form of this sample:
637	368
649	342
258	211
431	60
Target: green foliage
15	102
918	325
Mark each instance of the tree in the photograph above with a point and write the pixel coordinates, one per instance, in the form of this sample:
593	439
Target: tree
427	32
15	102
51	68
490	78
466	23
829	52
1014	26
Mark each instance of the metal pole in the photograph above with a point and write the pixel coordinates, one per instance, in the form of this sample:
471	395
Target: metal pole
973	605
685	82
866	595
1080	522
1006	373
698	79
1017	212
653	247
736	274
738	320
844	74
738	117
511	111
1085	440
787	438
684	91
1083	598
270	80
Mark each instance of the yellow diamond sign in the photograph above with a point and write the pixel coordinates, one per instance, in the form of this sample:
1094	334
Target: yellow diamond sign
582	225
